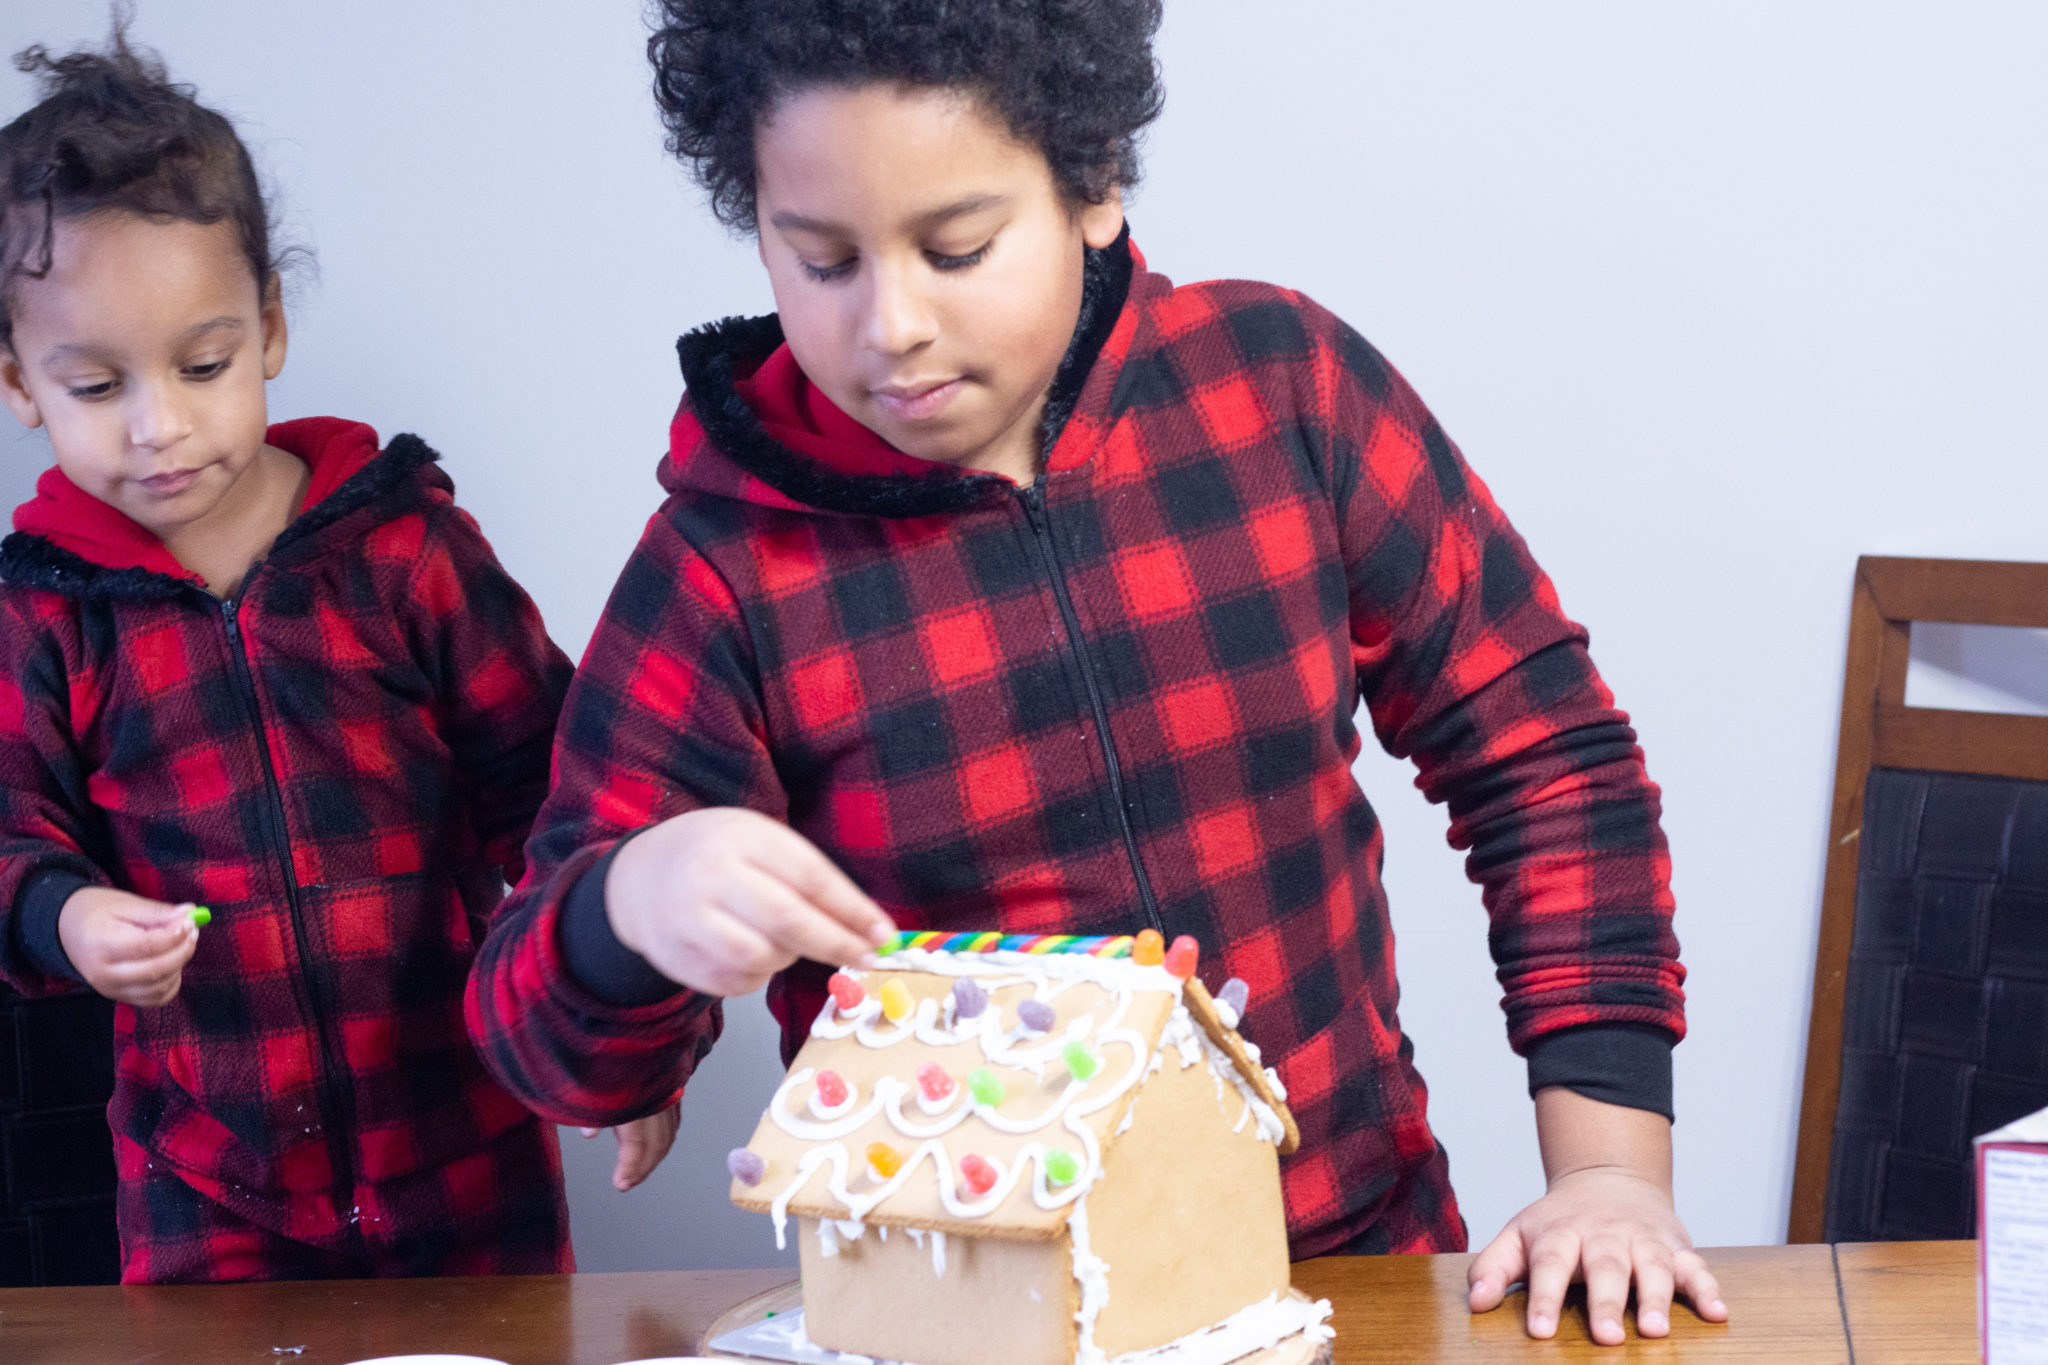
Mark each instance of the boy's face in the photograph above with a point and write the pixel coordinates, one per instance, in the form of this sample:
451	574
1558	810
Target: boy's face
144	352
926	267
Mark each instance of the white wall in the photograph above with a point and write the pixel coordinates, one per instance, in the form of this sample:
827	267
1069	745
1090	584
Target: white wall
1715	297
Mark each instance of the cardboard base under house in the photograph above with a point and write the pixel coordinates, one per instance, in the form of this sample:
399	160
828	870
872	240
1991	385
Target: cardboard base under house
1191	1233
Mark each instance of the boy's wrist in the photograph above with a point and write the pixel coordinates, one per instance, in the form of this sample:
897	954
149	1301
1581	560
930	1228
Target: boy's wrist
598	960
1615	1063
38	915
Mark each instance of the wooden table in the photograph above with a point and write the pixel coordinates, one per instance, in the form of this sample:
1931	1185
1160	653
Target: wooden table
1901	1302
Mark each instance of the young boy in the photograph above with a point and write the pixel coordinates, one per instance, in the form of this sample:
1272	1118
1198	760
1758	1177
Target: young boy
1006	584
273	669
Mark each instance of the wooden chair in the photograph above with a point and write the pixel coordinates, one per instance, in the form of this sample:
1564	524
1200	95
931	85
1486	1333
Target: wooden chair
1952	955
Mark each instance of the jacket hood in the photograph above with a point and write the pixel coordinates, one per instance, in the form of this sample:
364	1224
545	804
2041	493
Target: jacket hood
65	540
751	426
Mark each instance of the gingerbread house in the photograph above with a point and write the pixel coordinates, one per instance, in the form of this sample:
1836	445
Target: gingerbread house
1032	1151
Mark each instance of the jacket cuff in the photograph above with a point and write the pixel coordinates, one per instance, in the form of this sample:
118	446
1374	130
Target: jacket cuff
36	908
1625	1064
600	964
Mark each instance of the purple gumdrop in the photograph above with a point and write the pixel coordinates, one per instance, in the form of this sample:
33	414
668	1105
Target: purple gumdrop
1035	1015
969	999
746	1167
1235	994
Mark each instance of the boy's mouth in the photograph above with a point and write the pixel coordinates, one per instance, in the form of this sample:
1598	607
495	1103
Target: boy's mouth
172	481
916	401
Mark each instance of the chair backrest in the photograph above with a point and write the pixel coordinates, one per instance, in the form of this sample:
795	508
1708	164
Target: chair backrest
1951	956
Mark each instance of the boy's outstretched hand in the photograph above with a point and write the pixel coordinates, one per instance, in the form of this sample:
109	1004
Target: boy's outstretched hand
1607	1219
126	947
720	900
642	1145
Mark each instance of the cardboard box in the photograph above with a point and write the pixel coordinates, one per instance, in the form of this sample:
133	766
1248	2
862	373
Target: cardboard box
2012	1242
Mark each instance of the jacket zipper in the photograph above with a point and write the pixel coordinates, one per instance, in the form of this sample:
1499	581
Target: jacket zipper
339	1102
1036	512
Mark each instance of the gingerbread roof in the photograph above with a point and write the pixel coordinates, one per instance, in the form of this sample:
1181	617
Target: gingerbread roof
978	1093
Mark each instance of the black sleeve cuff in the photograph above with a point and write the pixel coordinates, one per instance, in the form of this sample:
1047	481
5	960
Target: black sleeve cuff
1625	1064
602	965
36	908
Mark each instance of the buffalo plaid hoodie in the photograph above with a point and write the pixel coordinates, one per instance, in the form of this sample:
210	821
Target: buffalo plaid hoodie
1122	696
343	763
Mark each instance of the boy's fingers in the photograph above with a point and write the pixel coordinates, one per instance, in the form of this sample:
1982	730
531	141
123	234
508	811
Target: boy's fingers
1698	1284
1493	1270
642	1145
1653	1288
790	920
142	943
808	872
1606	1264
716	953
1551	1263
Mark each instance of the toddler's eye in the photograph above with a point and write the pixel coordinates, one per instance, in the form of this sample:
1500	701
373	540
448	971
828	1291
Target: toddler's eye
211	370
822	273
88	392
941	261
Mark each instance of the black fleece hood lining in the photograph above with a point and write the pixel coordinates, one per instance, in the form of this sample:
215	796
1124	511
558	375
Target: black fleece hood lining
34	561
712	356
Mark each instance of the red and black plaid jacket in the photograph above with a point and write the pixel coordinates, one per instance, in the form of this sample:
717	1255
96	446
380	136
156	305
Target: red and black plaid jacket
343	763
1121	696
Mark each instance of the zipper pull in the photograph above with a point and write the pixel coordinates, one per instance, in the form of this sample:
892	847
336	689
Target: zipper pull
231	617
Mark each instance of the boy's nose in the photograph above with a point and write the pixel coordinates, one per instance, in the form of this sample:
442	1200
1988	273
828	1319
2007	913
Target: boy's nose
898	319
158	418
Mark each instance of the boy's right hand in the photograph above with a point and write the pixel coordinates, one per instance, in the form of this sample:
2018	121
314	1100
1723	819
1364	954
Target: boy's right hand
126	947
720	900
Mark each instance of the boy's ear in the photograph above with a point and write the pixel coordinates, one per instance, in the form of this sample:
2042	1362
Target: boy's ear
1100	223
275	332
14	392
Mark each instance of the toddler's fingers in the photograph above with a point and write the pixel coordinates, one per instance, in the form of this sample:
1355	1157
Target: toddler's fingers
1698	1284
794	922
1493	1270
1653	1288
1551	1262
798	863
133	942
715	952
1605	1258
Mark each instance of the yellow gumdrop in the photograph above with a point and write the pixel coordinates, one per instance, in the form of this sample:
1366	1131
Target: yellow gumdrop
1149	948
885	1160
896	1001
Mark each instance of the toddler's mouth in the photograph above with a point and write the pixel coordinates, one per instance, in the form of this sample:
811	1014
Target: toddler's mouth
917	401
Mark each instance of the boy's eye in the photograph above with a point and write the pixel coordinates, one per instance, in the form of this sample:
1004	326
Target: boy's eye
941	261
88	392
210	370
827	272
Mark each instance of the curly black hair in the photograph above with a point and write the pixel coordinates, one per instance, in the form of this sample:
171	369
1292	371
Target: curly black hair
112	132
1075	78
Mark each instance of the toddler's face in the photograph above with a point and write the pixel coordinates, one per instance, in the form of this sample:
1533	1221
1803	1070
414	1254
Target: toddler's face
926	267
144	352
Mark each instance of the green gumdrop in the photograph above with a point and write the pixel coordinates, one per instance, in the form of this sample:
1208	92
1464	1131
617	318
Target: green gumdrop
1081	1063
1061	1166
985	1087
201	916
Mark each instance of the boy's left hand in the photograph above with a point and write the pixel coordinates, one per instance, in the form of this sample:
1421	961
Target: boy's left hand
1608	1221
642	1145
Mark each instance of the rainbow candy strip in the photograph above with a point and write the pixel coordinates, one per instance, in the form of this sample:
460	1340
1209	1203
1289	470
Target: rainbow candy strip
1096	945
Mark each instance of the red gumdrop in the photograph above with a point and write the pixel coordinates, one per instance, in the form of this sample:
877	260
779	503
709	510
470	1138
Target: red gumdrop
832	1091
933	1080
1180	958
977	1175
846	992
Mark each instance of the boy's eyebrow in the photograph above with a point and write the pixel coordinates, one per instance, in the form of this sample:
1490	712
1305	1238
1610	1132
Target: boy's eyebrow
959	208
88	351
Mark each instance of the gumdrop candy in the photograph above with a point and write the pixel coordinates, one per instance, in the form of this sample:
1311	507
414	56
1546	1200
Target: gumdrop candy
977	1175
1062	1167
1235	994
832	1091
1148	949
847	992
1081	1063
746	1167
884	1159
985	1086
969	999
1035	1015
1180	958
933	1080
896	1001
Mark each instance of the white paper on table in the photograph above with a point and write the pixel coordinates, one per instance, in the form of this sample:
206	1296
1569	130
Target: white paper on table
782	1338
2013	1242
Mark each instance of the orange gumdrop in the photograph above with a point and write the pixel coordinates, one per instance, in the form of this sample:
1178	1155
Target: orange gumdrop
885	1160
1149	948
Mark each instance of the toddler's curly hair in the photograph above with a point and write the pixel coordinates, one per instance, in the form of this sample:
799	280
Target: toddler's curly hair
112	132
1074	78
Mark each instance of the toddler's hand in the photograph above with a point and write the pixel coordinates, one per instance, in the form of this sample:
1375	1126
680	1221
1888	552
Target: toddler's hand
1607	1227
720	900
127	948
642	1145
